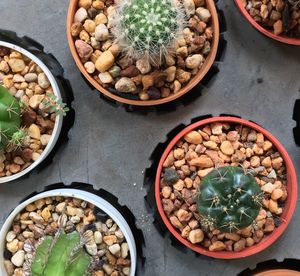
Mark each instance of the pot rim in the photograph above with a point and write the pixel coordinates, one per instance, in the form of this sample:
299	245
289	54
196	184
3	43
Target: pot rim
75	193
281	38
58	120
192	83
289	205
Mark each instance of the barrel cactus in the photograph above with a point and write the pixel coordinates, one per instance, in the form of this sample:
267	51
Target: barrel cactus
146	28
10	120
229	199
61	255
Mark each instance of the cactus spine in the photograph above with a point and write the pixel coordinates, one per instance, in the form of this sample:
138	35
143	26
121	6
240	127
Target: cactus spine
61	255
146	28
10	120
229	199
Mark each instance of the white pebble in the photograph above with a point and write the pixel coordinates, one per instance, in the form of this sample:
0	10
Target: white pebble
101	32
18	258
10	236
80	15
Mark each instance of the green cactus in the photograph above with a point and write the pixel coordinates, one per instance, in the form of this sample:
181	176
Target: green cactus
10	120
229	199
148	28
62	255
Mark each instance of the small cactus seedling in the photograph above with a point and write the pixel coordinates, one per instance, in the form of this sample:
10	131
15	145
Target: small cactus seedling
62	255
55	105
10	120
148	28
229	199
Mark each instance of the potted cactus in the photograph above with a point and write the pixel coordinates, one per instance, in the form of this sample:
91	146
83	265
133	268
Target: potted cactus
143	52
70	232
225	187
31	111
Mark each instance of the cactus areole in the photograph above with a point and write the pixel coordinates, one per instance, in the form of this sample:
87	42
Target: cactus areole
10	119
148	28
229	199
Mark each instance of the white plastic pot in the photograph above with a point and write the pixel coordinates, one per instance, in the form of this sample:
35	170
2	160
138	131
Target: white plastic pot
89	197
58	121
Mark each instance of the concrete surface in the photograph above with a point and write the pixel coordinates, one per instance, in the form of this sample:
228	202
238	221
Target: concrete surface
110	147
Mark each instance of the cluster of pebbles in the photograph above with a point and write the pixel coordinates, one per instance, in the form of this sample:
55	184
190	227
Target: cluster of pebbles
276	15
26	81
138	79
106	244
209	147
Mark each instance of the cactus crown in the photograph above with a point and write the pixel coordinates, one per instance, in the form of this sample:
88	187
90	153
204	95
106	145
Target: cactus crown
10	119
61	255
229	199
148	28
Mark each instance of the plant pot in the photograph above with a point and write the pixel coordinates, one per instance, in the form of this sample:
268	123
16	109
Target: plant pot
58	121
97	201
270	34
278	272
290	202
192	83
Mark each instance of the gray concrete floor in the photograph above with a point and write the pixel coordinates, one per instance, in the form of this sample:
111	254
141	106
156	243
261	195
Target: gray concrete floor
109	147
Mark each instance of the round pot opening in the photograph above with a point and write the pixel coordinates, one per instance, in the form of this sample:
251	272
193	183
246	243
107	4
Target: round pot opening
290	203
192	83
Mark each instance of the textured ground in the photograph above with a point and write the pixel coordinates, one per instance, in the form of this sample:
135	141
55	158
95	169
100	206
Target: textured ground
109	147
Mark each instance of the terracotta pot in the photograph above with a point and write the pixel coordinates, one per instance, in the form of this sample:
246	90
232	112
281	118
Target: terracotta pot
281	38
279	272
193	82
290	203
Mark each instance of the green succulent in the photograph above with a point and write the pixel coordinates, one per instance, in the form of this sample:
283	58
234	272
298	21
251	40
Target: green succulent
148	27
10	120
229	199
62	255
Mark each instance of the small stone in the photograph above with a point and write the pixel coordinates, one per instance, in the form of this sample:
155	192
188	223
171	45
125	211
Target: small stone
45	138
203	14
267	145
277	194
18	259
14	168
175	222
35	156
227	148
108	268
273	206
193	137
84	50
36	218
86	4
60	207
154	93
76	28
194	61
34	132
178	185
110	240
171	73
269	225
115	249
143	65
35	100
105	77
18	78
101	32
9	267
98	237
100	19
183	76
80	15
183	215
124	250
125	85
12	246
99	5
268	188
170	176
267	162
202	162
177	86
17	65
278	27
196	236
189	7
31	207
89	25
91	249
130	72
210	144
90	67
277	163
105	61
43	81
216	128
255	161
217	246
232	236
239	245
10	236
46	214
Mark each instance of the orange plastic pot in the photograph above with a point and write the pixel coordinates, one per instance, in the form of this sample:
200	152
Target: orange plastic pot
193	82
279	272
281	38
289	205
